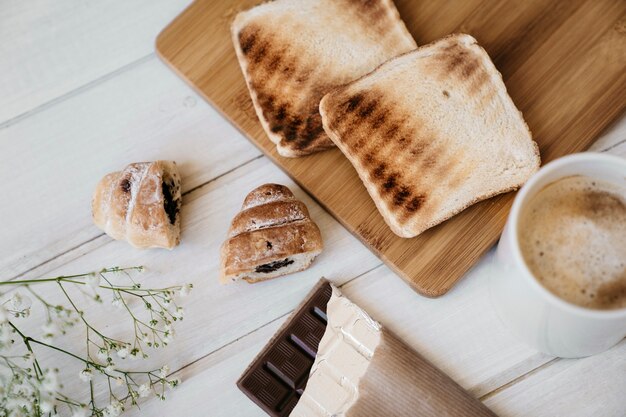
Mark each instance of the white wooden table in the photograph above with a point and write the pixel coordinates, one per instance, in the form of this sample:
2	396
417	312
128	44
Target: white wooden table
82	94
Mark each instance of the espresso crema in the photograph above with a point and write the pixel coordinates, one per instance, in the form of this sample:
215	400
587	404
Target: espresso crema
572	235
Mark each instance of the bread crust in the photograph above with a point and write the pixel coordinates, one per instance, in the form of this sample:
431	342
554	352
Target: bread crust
424	152
133	204
288	74
244	252
267	215
272	227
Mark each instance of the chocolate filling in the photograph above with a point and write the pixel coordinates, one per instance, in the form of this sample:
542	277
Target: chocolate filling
170	205
273	266
125	185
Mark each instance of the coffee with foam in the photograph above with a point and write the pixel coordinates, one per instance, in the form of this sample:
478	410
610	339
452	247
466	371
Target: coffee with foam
572	235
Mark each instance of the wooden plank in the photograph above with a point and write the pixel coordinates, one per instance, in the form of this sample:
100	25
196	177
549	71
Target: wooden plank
215	315
562	63
592	386
55	158
51	48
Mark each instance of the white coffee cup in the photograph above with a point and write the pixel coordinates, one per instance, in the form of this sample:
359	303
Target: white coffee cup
540	318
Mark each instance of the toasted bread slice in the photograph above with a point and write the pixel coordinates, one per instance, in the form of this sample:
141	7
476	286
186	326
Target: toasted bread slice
431	132
293	52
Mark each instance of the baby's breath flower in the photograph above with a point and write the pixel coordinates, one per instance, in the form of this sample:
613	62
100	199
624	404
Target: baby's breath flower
25	390
184	290
144	390
134	354
164	371
117	302
19	301
178	313
85	375
103	354
113	410
122	353
173	383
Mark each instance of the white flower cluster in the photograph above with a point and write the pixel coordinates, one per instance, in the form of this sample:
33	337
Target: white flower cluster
16	306
6	334
22	393
113	410
27	390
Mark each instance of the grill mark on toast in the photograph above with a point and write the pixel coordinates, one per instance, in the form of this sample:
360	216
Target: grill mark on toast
247	38
373	14
291	130
390	182
353	102
313	129
470	67
367	110
416	203
379	172
393	188
370	132
270	66
401	195
274	63
454	61
259	51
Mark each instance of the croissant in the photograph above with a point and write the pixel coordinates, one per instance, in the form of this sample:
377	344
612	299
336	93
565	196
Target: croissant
272	235
140	204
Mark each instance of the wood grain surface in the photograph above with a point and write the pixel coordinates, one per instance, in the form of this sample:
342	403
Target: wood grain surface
83	94
563	64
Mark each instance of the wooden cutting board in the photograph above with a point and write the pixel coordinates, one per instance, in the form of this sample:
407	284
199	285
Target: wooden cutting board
564	64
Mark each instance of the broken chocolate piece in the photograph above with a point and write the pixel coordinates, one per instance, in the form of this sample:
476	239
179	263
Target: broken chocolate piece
277	377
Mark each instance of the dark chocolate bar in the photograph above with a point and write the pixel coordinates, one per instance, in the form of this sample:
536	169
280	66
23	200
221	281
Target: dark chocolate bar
277	377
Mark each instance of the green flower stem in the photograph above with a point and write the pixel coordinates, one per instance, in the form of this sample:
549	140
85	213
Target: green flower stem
27	340
68	278
158	303
80	314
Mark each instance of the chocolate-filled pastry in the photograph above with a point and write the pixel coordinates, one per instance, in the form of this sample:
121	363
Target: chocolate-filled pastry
271	236
140	204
